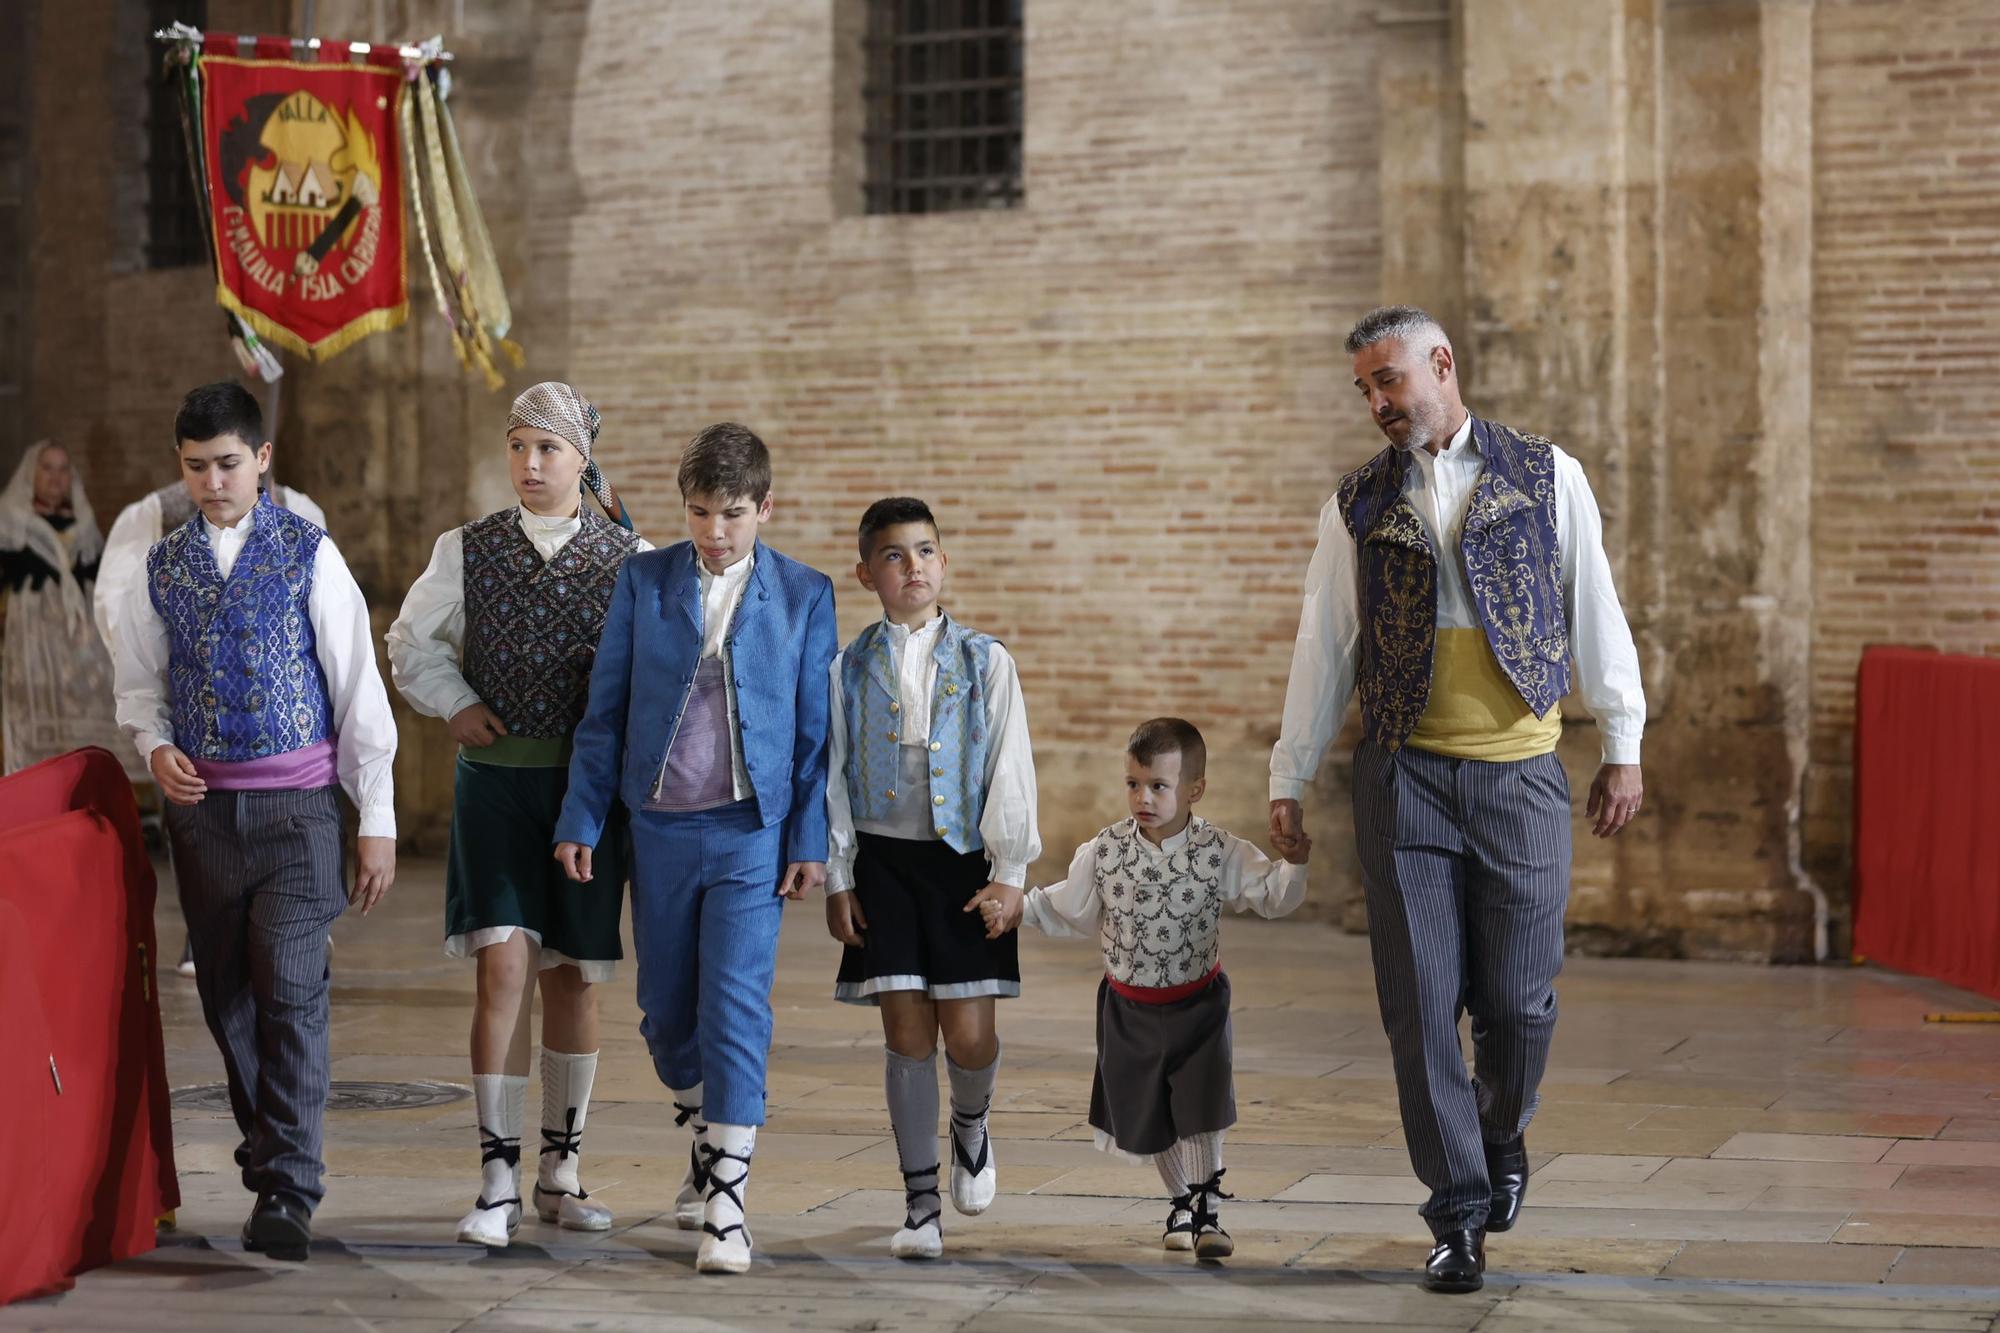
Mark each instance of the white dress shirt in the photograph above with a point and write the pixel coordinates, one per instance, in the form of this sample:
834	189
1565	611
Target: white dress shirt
1326	655
364	729
133	535
1007	824
1250	881
427	642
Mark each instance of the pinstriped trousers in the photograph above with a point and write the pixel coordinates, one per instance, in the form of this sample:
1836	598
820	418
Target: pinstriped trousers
1465	865
261	879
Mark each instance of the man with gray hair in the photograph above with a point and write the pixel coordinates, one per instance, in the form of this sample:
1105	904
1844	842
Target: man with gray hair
1458	574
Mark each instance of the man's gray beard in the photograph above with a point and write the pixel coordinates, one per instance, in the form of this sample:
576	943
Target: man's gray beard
1422	430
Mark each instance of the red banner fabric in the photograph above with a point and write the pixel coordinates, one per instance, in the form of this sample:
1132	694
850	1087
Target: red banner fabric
1926	842
305	179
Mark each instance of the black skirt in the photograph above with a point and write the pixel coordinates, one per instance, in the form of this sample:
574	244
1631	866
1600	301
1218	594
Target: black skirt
1163	1070
919	936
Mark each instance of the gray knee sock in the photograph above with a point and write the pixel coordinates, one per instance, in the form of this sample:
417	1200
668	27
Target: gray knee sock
971	1098
1168	1164
912	1089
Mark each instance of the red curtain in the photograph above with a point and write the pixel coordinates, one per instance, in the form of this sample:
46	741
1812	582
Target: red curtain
1927	815
89	1163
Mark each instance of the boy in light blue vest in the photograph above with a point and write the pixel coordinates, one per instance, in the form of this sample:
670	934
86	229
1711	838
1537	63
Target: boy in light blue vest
931	814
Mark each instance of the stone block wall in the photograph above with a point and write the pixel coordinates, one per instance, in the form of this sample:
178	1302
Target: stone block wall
1738	257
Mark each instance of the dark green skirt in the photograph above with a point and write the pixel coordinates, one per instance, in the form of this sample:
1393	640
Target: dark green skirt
503	870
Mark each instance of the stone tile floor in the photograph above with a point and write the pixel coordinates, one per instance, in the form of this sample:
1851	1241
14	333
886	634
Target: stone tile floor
1720	1146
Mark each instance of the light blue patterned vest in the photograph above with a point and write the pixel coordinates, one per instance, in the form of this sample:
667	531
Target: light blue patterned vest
958	739
244	669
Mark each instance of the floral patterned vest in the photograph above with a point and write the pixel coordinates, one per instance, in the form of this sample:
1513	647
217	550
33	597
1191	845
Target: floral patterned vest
1160	917
1512	561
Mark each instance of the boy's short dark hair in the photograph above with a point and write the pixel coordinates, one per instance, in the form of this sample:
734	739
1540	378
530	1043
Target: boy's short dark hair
726	461
889	513
223	408
1165	735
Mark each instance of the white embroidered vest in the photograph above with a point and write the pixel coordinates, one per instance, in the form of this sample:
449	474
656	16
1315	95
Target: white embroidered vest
1160	910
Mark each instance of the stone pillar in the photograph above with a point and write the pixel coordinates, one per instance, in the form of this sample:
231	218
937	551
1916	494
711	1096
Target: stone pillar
1634	278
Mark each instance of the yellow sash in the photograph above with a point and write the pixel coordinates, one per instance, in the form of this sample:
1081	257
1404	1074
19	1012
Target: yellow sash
1474	710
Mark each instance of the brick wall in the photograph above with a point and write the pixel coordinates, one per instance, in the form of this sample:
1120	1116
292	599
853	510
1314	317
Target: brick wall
1906	474
1124	400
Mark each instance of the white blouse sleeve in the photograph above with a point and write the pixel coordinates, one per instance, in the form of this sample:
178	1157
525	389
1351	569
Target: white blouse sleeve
140	651
124	562
427	642
1323	659
1007	825
840	845
1253	882
1607	663
1070	908
364	728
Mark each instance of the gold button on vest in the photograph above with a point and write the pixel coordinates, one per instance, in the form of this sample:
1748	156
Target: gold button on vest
937	800
895	707
891	794
937	772
936	746
892	735
941	830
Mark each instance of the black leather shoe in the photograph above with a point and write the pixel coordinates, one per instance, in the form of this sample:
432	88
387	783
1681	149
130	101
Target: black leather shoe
280	1226
1507	1170
1457	1262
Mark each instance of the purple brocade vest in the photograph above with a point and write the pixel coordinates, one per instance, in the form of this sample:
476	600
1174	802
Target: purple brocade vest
244	670
531	628
1512	561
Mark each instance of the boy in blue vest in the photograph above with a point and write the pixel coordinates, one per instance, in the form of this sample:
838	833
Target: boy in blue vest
246	678
930	812
708	718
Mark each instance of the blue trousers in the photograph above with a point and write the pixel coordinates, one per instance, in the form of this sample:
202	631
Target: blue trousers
705	916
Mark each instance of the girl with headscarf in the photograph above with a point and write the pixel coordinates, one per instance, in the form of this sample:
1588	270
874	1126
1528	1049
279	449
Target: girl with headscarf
497	637
55	675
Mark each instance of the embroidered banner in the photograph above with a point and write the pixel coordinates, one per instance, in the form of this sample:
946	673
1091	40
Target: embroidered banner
304	177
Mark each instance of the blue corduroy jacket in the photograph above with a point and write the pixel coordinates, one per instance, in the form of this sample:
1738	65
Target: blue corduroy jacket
782	641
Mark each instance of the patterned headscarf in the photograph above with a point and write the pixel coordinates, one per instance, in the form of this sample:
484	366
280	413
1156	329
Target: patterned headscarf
563	412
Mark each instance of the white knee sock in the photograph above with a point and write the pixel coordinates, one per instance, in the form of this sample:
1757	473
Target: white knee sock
566	1084
502	1103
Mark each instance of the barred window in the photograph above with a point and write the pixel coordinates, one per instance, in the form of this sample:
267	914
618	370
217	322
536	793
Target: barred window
173	220
944	96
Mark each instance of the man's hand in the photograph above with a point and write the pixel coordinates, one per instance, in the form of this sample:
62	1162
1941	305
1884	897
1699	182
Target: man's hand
175	773
476	726
844	920
1288	832
374	871
999	906
574	858
1614	798
800	876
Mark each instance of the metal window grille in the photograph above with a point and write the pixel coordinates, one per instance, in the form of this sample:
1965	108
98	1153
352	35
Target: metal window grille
173	220
944	105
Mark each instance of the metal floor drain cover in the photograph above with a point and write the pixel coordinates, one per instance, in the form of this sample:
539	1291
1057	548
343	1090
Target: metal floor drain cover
345	1095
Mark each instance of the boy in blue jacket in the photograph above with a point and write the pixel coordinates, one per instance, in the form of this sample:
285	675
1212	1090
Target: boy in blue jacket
708	719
